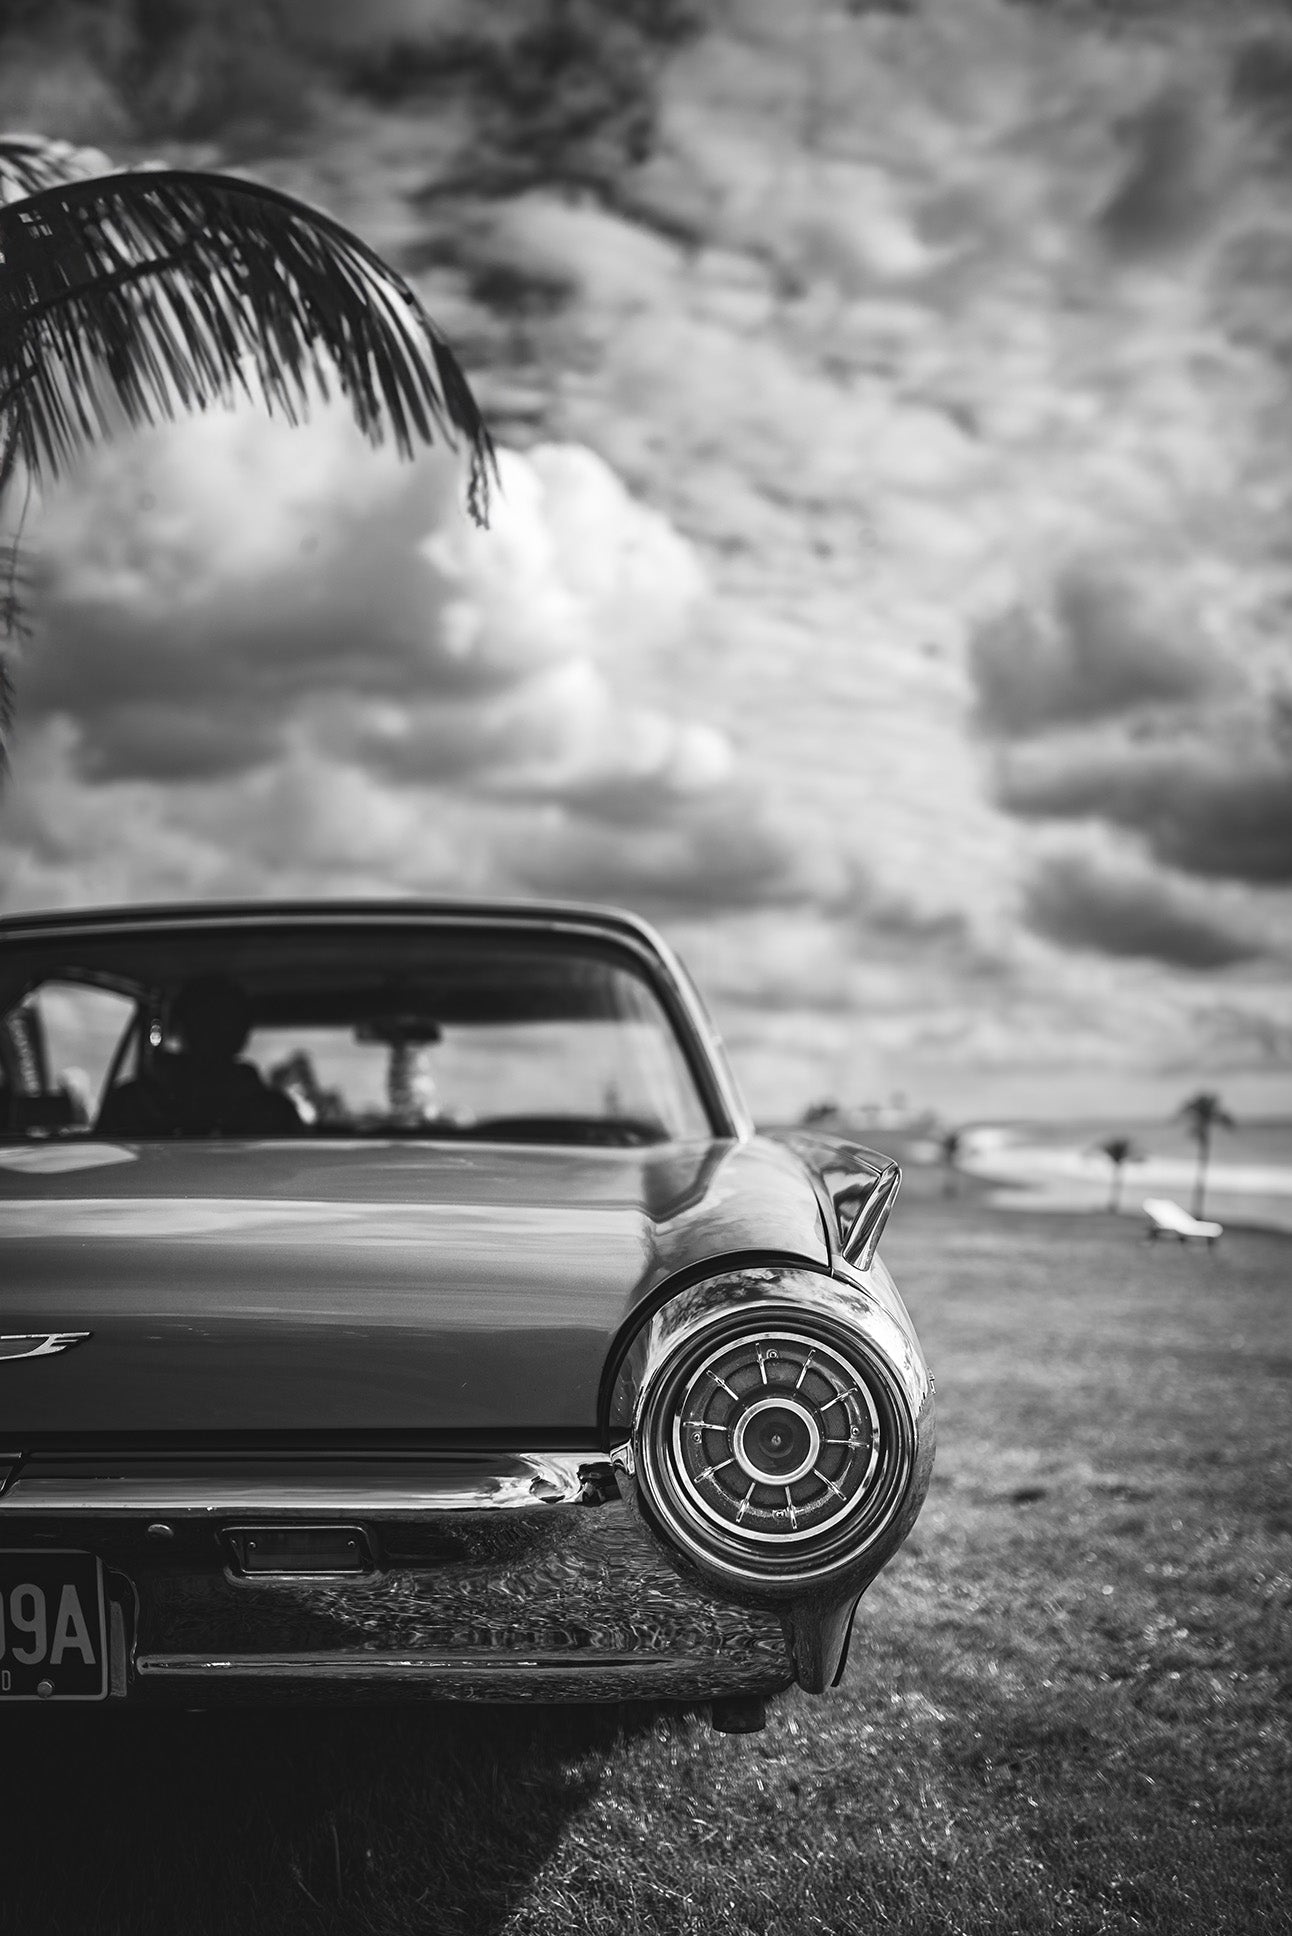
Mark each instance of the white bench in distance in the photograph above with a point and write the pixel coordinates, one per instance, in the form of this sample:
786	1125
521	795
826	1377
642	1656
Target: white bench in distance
1167	1219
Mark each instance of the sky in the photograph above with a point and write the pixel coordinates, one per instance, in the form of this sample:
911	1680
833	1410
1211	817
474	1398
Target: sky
886	592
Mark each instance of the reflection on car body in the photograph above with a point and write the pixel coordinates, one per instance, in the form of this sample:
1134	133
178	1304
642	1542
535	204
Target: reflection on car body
447	1329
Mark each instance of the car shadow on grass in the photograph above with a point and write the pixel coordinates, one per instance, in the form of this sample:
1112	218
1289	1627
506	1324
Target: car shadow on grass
371	1820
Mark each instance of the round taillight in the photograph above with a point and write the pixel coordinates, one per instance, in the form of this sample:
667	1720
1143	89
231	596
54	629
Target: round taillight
776	1454
775	1435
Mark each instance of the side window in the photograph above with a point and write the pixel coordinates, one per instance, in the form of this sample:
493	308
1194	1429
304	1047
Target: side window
57	1046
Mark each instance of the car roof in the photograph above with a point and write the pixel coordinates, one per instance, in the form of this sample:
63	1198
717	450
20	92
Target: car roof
509	913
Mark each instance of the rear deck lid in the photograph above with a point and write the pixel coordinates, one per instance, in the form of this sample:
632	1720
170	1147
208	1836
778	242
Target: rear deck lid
316	1288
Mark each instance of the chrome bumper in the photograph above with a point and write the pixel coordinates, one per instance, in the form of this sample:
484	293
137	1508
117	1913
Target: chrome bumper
187	1487
514	1578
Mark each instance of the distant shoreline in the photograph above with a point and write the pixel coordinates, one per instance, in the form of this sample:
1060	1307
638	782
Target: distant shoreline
1231	1213
1063	1167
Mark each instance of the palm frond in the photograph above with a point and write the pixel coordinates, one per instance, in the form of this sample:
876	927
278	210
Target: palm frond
15	583
31	162
147	295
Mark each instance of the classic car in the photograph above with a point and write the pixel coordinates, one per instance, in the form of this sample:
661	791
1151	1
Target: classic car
397	1300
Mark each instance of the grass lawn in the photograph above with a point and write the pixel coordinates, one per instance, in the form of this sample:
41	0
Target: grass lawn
1067	1707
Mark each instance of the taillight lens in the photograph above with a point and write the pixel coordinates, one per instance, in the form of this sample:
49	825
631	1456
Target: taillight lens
776	1436
776	1454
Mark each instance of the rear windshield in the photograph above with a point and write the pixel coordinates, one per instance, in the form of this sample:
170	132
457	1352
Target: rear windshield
369	1032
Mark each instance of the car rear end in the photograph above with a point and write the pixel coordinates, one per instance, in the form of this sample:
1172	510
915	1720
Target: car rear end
416	1404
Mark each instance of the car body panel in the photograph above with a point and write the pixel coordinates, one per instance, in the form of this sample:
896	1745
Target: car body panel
567	1604
244	1287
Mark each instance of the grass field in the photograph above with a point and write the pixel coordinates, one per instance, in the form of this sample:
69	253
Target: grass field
1067	1708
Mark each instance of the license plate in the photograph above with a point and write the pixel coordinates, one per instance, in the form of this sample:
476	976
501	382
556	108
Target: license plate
52	1644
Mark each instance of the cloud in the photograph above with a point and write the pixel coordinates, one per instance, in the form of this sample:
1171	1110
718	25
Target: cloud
716	858
201	584
1093	655
215	594
758	961
843	371
1232	1035
1080	901
563	734
1220	808
310	671
1174	176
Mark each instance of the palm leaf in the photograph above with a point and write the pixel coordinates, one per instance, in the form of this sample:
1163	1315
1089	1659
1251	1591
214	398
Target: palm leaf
144	296
30	162
15	584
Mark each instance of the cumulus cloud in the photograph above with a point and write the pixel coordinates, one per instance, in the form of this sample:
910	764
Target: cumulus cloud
867	351
274	660
1175	173
1083	902
1093	654
934	349
202	583
1218	807
212	590
718	857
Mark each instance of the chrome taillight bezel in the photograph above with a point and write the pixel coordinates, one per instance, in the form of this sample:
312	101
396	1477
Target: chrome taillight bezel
793	1557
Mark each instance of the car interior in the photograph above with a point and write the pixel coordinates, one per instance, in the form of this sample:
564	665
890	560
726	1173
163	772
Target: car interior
486	1037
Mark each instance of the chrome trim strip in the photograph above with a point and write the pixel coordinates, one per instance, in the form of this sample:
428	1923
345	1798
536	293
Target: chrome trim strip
332	1667
530	1483
533	1676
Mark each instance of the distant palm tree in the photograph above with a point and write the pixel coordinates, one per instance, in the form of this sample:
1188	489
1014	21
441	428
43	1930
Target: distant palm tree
1120	1151
1203	1113
819	1112
137	297
950	1146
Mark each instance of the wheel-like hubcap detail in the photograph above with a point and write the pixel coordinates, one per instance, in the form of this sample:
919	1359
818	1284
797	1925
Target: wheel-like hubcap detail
776	1441
775	1437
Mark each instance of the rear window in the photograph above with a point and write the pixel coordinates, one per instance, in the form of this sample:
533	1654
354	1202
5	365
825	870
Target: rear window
362	1032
